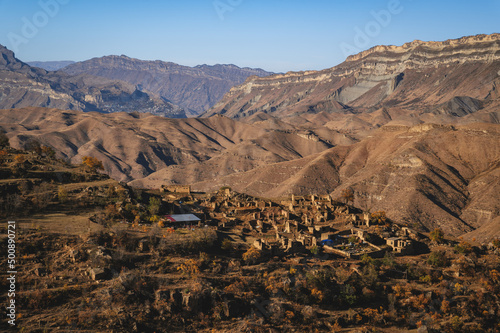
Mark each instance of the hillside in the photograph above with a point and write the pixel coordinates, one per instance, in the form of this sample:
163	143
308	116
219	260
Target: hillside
133	146
24	86
194	88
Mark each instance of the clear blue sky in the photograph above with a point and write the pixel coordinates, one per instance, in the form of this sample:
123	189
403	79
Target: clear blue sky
276	35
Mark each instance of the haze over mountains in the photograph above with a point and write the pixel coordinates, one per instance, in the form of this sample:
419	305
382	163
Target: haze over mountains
413	130
50	65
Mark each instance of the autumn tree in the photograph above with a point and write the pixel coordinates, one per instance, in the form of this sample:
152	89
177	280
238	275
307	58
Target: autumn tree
3	155
347	195
19	158
252	255
92	163
437	235
378	217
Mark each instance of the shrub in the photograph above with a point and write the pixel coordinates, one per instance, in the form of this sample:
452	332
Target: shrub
226	245
347	195
19	158
189	267
48	152
3	155
463	247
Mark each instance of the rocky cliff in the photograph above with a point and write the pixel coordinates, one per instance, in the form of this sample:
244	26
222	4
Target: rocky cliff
416	77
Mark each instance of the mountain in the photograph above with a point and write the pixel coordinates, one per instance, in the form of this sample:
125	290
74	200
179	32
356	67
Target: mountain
194	88
417	82
50	65
22	85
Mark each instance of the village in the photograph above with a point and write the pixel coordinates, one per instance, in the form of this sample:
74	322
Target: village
298	224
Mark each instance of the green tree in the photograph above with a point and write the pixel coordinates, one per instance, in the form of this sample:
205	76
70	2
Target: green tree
4	140
154	205
438	259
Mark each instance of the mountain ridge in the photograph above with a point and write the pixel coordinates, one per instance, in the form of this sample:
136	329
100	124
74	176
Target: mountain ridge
416	77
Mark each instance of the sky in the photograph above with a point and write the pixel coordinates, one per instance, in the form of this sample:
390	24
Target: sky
276	35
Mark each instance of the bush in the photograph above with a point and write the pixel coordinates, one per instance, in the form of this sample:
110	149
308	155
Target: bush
347	195
438	259
378	217
463	247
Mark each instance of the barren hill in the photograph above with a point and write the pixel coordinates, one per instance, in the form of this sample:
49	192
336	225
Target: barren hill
438	82
135	145
195	88
428	174
22	86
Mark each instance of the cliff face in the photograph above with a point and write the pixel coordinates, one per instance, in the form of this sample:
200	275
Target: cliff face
417	75
22	85
195	88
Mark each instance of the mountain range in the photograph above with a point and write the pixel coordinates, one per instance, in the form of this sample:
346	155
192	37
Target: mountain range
117	83
413	130
193	88
22	85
